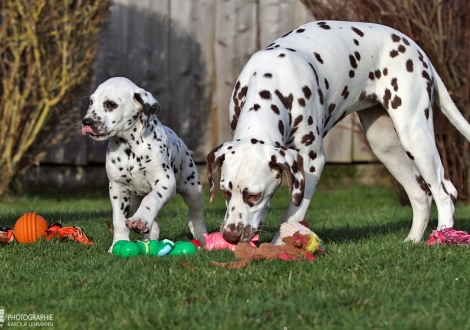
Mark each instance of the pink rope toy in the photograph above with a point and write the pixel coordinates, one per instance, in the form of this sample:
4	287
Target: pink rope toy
449	236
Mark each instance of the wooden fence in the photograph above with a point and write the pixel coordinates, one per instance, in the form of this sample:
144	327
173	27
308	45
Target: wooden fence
188	54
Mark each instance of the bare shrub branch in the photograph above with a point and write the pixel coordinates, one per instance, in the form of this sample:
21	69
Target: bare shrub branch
47	49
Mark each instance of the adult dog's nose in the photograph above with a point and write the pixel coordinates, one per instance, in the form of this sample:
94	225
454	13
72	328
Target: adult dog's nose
231	236
87	122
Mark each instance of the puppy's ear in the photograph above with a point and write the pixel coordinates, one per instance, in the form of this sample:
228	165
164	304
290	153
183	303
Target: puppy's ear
292	164
215	158
150	106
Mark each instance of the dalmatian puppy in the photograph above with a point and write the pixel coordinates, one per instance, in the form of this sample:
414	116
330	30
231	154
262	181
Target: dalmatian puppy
146	163
289	95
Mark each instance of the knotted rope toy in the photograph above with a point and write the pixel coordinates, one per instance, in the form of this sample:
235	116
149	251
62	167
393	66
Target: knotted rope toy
449	236
70	232
6	235
299	243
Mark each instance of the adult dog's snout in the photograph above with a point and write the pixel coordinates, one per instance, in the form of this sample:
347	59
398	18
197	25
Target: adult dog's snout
231	236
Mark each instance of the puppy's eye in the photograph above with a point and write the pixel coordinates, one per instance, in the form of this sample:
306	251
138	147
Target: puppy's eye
252	198
91	103
110	105
227	195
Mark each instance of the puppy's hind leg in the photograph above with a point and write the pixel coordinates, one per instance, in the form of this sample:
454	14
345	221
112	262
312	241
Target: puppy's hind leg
386	146
135	202
193	196
154	232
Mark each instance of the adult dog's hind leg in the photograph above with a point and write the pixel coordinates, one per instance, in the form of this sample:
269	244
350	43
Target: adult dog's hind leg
416	133
386	146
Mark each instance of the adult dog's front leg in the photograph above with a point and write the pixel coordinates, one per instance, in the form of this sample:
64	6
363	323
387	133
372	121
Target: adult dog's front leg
313	167
120	200
143	218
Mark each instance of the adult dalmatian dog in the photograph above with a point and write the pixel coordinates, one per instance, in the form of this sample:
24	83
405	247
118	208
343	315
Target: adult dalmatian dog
289	95
146	162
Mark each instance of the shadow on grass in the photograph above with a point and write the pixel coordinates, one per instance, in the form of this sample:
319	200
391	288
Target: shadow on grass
355	234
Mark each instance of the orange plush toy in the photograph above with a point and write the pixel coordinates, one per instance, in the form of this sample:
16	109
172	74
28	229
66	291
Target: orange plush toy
299	244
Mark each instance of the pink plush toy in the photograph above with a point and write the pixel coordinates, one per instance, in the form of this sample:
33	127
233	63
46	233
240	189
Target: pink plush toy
215	241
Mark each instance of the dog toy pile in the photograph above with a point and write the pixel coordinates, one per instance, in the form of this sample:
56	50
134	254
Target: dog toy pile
449	236
299	244
215	241
127	249
30	227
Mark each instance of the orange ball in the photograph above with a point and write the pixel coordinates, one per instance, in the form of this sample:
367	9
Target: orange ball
30	227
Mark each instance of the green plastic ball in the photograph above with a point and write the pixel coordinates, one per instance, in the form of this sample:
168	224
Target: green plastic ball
154	248
144	247
150	247
182	248
126	249
117	246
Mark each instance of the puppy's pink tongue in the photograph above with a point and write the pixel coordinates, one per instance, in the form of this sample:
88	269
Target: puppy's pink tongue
87	130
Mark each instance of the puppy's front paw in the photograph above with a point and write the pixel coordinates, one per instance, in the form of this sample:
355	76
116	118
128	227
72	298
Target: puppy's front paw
138	225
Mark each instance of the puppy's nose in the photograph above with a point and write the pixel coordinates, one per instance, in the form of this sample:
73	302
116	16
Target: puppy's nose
87	122
231	236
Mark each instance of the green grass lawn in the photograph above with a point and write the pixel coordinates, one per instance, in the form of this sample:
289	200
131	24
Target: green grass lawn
369	279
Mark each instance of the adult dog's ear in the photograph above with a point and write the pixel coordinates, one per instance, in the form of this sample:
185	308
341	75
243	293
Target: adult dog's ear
215	158
150	106
292	164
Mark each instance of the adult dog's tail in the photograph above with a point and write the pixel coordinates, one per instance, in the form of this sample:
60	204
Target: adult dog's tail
448	107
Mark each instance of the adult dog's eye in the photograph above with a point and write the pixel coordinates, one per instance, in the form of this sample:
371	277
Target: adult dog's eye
227	195
91	103
252	198
110	105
